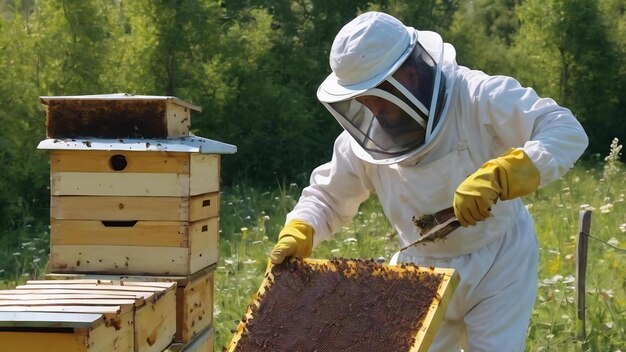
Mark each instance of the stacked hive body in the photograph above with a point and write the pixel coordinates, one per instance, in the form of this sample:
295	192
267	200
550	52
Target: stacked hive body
135	201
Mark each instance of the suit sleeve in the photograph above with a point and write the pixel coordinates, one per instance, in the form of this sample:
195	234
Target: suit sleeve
516	116
335	192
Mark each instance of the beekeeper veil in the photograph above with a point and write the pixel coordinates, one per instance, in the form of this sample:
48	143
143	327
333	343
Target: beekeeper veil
385	89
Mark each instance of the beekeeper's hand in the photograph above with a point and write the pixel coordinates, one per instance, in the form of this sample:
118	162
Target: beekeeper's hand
508	176
296	238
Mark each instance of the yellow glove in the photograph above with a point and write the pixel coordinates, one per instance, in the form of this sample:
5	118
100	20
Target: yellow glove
296	238
508	176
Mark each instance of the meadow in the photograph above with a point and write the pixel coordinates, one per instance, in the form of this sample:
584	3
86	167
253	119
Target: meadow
251	219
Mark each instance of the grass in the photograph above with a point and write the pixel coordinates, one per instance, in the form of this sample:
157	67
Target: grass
250	220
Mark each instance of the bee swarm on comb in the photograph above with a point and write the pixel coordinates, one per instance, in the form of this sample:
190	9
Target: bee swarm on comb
341	304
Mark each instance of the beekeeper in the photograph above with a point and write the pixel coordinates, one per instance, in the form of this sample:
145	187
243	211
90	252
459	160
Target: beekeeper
424	134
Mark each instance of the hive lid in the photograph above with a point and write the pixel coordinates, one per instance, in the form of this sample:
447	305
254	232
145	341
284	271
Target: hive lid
120	96
47	319
344	304
189	144
74	303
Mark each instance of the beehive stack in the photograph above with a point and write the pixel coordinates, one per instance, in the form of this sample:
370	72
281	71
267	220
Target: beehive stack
135	201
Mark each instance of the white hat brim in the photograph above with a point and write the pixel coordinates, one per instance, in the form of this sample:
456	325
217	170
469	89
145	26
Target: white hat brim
330	91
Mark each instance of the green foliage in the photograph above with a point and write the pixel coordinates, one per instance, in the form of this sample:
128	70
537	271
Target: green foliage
564	50
479	25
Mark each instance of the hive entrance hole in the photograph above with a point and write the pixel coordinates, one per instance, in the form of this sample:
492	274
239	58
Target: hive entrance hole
118	162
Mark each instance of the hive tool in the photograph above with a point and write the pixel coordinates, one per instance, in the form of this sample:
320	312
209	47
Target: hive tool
434	226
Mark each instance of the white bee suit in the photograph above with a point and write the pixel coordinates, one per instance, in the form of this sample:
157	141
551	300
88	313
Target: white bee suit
497	259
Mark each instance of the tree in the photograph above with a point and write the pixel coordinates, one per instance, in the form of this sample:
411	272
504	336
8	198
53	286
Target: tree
24	177
563	49
481	32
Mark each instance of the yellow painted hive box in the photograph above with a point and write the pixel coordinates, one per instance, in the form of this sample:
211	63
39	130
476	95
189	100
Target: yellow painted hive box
117	211
88	315
132	191
194	298
341	304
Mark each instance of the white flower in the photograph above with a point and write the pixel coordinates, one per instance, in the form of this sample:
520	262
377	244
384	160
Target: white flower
613	242
606	294
553	280
586	207
606	208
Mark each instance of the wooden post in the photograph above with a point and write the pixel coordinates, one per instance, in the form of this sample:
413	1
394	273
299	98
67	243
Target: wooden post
584	225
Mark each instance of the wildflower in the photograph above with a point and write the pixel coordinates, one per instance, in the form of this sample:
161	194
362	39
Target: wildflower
622	227
569	279
611	167
606	208
553	280
350	240
606	294
613	242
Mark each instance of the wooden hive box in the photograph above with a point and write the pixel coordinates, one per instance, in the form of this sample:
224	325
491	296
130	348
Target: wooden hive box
204	341
194	298
119	204
117	116
87	315
345	304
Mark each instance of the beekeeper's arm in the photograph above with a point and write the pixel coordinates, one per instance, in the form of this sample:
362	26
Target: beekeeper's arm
332	198
543	140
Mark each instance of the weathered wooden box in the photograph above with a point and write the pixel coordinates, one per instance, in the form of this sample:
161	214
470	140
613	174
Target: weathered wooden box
194	298
340	304
117	116
119	204
204	341
88	315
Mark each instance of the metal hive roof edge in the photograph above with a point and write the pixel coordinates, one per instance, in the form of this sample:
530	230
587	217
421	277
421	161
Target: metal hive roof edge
189	144
120	96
